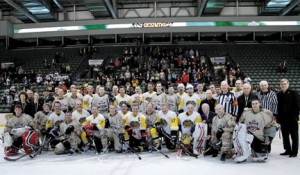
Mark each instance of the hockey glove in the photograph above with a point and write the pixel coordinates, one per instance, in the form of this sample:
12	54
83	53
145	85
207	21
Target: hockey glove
69	129
53	134
219	132
121	138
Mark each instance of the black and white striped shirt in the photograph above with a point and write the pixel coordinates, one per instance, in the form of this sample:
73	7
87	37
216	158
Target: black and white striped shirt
268	101
229	102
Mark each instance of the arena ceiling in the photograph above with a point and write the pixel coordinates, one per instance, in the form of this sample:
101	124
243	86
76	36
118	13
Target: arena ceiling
48	10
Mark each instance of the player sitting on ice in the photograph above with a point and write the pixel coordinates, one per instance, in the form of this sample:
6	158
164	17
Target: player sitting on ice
69	132
257	121
95	128
116	129
169	126
135	126
187	122
221	133
153	123
18	132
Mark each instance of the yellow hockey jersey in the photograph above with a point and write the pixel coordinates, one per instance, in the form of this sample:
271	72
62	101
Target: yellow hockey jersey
187	121
169	121
185	100
137	122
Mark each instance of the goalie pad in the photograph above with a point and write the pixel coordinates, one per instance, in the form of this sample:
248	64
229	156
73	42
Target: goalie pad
8	140
269	133
199	136
30	140
241	140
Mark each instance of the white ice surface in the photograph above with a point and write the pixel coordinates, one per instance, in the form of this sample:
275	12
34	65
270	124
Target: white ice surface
151	163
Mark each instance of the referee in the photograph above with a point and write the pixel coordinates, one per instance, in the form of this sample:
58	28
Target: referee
228	100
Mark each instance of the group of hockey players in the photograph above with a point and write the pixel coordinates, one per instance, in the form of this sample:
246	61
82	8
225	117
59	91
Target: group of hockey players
148	121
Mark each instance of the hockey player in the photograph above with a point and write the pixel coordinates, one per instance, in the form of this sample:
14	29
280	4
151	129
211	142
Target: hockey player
73	99
14	130
97	124
159	98
152	121
101	100
116	129
79	114
40	120
190	97
257	121
142	104
69	136
172	99
63	100
53	122
135	126
169	126
222	128
138	91
87	99
124	109
122	97
200	92
180	92
149	95
187	121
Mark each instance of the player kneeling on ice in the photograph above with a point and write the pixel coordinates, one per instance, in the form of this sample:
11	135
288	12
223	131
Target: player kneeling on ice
69	136
221	133
169	126
116	129
135	126
187	122
52	125
95	128
153	128
257	122
40	121
18	133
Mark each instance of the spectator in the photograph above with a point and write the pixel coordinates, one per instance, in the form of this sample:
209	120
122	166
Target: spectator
184	78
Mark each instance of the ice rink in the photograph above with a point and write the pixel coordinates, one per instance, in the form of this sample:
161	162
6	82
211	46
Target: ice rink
151	163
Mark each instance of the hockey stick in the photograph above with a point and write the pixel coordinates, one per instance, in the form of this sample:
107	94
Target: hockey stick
32	154
182	147
12	160
180	144
161	152
132	150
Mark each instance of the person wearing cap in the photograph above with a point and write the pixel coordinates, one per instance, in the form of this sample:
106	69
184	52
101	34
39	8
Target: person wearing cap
181	92
189	98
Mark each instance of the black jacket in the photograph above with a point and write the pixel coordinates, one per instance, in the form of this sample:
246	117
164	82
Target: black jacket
208	119
212	103
288	106
242	103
